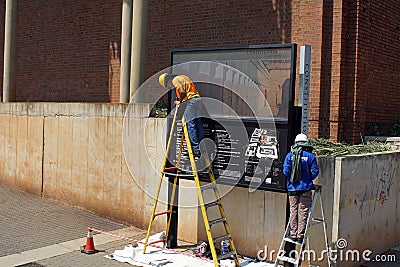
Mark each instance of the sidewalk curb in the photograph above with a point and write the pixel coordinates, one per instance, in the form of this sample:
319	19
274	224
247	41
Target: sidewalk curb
55	250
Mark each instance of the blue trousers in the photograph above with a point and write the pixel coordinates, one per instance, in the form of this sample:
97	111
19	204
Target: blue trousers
193	108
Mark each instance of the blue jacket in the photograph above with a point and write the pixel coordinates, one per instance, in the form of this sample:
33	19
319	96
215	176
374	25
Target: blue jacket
309	171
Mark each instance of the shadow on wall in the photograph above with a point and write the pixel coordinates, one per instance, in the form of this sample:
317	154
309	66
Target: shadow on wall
114	73
324	129
351	114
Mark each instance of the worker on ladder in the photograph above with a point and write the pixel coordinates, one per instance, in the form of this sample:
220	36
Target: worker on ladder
301	168
192	135
189	97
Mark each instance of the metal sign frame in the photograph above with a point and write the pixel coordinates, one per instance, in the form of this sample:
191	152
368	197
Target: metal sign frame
288	127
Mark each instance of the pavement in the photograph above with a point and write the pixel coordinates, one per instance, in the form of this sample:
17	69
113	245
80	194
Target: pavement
37	232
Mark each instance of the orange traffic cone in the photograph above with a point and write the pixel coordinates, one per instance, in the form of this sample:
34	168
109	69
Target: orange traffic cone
89	247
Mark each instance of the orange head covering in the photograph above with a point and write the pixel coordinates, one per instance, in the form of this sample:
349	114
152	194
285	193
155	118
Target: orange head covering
184	82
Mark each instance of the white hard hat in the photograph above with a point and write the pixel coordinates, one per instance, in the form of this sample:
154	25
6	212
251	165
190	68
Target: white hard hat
301	138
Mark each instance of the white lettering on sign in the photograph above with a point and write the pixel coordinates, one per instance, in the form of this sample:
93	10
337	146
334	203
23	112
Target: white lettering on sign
305	69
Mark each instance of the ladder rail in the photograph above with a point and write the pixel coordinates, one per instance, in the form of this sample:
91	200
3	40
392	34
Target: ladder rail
160	181
200	194
171	201
195	174
281	246
310	218
328	250
218	198
221	208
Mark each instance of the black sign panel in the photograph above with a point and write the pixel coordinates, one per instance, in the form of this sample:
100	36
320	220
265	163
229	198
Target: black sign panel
253	158
255	163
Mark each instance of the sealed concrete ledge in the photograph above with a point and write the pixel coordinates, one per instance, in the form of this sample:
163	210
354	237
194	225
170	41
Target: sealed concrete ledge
49	109
393	141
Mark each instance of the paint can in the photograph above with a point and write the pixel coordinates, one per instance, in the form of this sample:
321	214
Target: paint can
224	246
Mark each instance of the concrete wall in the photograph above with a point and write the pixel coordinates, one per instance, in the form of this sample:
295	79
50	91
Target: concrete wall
257	219
361	201
367	202
326	179
74	153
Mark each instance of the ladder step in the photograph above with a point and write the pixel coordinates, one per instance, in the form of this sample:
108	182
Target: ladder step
211	204
226	255
287	259
161	213
208	187
291	241
219	220
220	238
177	174
204	171
317	220
187	166
155	242
171	168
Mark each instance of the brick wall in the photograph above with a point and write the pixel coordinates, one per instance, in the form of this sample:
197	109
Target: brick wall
350	113
369	68
63	49
114	72
210	23
68	51
378	62
306	20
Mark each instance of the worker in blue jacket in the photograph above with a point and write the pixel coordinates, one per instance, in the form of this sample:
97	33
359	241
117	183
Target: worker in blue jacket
300	168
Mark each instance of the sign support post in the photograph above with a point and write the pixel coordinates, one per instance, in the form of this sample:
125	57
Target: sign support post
304	92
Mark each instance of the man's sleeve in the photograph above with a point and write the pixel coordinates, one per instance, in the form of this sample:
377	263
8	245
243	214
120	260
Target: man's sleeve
314	168
287	165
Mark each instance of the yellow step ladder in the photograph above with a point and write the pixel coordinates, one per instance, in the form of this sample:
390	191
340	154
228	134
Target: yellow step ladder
176	172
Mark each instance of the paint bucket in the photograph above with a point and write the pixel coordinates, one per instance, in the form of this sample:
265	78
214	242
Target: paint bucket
224	246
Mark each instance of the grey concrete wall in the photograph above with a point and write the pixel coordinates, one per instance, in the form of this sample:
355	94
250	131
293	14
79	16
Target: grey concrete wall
257	219
367	202
326	179
74	153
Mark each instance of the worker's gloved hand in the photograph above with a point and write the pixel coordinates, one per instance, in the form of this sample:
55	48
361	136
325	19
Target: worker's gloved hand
176	103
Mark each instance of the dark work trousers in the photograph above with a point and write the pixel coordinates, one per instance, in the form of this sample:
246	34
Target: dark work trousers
193	112
299	207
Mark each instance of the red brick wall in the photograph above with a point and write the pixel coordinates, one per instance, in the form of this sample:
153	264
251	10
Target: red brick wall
114	71
350	113
378	65
210	23
330	70
63	49
369	68
306	21
68	51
